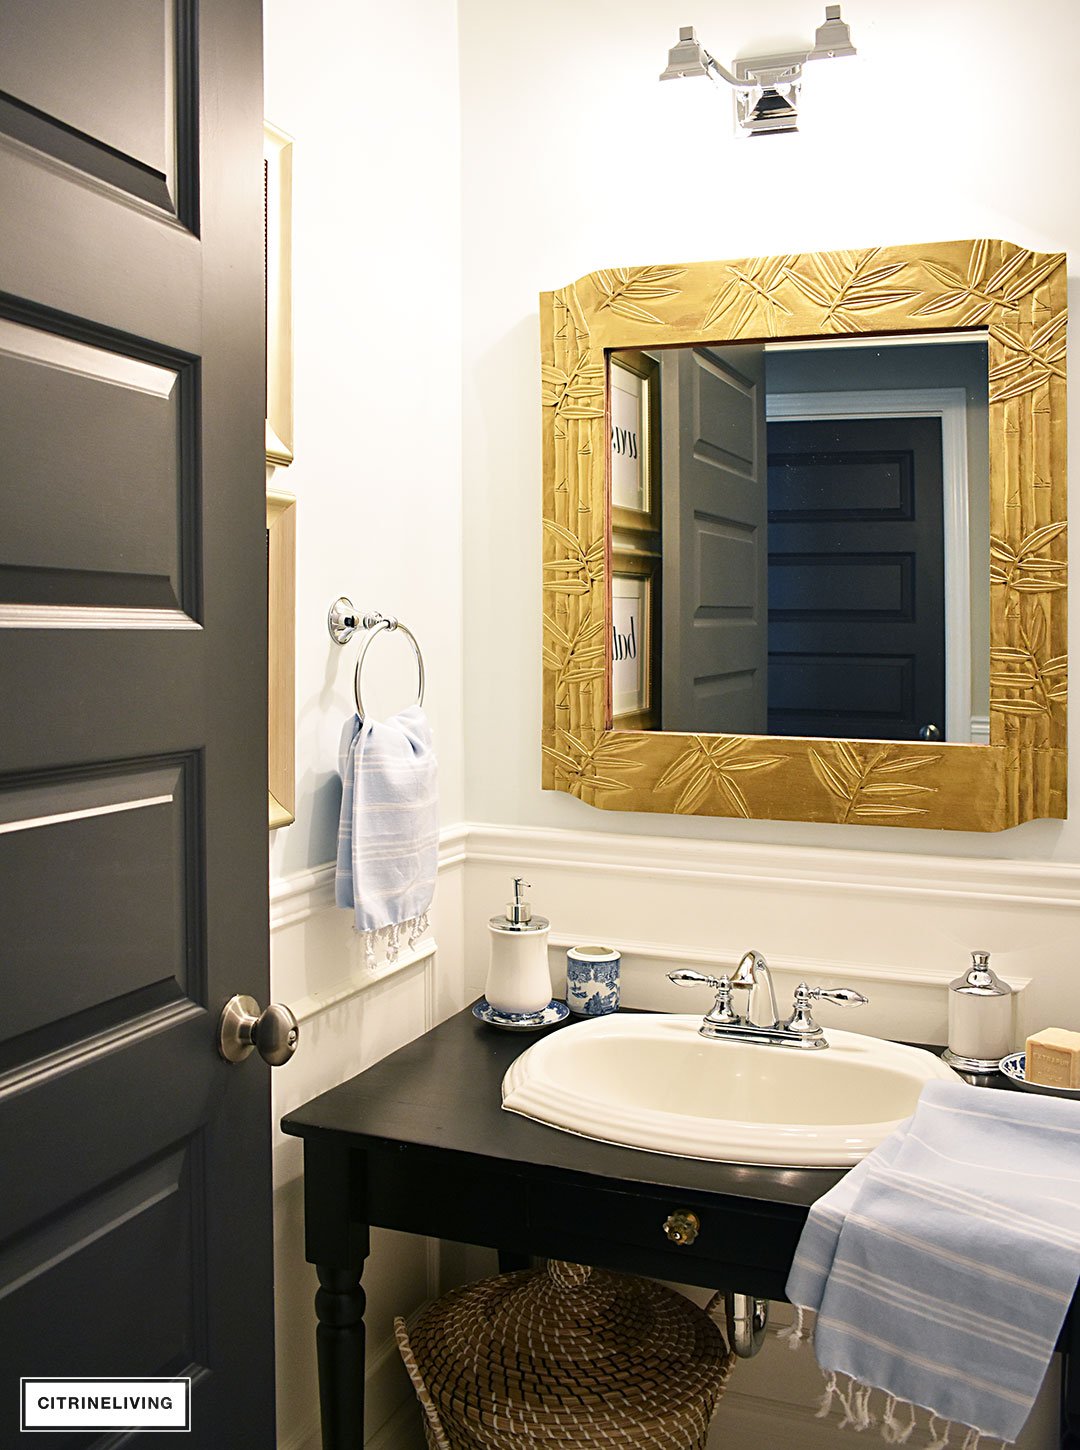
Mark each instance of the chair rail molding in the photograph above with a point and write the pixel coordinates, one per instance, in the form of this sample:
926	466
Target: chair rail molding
971	878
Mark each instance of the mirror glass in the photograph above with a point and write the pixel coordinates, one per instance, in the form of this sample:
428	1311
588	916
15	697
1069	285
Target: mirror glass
800	538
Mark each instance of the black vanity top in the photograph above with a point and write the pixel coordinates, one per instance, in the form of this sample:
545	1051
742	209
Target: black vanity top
442	1092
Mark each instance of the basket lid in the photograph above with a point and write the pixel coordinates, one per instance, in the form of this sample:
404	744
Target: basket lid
571	1355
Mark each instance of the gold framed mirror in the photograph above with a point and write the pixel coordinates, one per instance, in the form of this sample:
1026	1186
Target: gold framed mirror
1009	298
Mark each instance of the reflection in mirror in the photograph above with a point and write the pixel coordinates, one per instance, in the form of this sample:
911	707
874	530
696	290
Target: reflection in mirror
800	538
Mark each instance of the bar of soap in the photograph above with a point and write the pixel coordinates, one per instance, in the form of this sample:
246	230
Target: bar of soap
1053	1058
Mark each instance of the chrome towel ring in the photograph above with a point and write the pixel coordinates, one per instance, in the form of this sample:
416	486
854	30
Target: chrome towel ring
343	622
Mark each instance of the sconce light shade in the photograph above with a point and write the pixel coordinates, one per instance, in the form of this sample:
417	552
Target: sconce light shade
688	58
773	113
833	38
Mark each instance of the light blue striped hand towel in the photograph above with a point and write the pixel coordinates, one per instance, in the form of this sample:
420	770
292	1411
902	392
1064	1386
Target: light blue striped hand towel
388	838
942	1266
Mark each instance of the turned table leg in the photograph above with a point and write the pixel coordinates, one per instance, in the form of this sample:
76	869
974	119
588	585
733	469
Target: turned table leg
339	1340
336	1240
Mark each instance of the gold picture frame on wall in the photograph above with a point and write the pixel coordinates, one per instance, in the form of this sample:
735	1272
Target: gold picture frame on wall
635	641
634	437
277	190
1015	295
281	655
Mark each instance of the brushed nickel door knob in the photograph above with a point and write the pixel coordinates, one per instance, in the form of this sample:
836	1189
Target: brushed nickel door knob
243	1029
682	1227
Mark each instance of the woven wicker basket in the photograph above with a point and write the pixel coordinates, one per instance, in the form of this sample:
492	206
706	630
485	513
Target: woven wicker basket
565	1357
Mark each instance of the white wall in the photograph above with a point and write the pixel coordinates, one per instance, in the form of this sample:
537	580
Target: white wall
575	157
370	94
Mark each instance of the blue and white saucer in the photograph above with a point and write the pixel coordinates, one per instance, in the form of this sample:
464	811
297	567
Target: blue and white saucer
1013	1068
520	1021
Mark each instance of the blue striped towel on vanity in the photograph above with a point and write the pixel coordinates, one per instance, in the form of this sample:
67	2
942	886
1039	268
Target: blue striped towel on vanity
942	1266
388	838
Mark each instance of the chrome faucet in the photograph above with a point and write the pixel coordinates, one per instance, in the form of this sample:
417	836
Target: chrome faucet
752	972
797	1030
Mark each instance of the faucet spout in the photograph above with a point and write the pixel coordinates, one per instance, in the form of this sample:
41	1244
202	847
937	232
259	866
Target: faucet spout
753	971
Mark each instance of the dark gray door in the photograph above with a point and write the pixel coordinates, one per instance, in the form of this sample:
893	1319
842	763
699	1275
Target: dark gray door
856	578
714	516
135	1200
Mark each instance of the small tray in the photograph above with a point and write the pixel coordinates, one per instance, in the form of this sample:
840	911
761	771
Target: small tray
555	1011
1012	1067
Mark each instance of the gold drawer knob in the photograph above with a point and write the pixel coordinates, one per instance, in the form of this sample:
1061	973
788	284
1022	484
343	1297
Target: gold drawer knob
682	1227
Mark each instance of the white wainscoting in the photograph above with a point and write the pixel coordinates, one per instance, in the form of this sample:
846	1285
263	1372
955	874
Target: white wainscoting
899	926
350	1018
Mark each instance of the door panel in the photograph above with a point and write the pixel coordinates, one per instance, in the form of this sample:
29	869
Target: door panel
130	832
135	1232
101	511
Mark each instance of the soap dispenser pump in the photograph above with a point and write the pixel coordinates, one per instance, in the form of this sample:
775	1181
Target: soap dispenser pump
980	1018
519	979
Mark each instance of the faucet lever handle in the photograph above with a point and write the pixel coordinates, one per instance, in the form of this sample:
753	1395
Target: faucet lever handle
693	979
839	996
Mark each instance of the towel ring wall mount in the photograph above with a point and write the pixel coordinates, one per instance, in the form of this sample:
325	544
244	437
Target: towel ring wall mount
343	621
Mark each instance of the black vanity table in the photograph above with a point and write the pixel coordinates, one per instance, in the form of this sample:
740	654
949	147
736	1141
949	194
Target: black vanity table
420	1143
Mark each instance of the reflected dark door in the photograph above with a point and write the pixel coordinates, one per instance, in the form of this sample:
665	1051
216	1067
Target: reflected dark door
856	578
135	1201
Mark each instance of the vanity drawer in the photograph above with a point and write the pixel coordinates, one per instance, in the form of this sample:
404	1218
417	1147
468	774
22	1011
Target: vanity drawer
604	1222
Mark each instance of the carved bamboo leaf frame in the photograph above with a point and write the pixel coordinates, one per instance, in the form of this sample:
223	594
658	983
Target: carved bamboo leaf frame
1019	296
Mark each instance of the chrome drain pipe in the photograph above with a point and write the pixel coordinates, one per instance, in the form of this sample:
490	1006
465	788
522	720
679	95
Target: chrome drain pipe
746	1317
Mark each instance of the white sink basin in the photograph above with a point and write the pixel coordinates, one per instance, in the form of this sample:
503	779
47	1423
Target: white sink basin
651	1081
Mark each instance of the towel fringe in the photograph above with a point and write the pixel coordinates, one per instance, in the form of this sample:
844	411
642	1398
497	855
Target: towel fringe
909	1429
854	1398
846	1398
831	1392
413	931
890	1425
796	1333
862	1404
938	1441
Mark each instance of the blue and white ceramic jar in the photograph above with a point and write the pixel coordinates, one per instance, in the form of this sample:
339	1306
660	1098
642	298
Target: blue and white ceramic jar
592	980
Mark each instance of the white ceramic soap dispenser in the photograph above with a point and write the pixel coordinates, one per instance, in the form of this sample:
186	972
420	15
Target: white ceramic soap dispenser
980	1018
519	979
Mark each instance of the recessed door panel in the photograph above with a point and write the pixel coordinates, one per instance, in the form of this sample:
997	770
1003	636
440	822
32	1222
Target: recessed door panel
142	1237
868	687
130	120
726	564
99	468
809	586
108	858
839	486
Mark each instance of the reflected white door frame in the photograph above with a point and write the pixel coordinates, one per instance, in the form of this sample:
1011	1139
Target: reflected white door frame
950	405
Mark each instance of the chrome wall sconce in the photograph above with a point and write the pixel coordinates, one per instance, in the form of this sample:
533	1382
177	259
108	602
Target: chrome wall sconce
766	87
